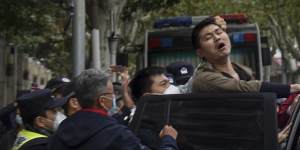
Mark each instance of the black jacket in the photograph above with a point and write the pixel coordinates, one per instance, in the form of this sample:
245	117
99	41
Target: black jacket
92	131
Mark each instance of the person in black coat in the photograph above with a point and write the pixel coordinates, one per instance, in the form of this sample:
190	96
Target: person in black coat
93	128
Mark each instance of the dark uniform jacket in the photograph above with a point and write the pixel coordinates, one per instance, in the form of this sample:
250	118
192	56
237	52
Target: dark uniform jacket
30	140
88	130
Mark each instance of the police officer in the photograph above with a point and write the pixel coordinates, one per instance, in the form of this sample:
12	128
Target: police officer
40	117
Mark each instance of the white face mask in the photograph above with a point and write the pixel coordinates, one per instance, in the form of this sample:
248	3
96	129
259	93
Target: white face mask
172	90
59	117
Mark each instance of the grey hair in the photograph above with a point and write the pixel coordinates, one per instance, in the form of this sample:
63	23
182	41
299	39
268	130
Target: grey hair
89	85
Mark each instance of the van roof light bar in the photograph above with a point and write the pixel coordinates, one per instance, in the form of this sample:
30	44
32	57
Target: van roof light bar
186	21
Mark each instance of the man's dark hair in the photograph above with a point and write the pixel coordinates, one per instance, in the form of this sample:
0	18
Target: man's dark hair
89	85
141	83
198	28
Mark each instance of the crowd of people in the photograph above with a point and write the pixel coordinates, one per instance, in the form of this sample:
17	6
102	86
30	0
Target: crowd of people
85	113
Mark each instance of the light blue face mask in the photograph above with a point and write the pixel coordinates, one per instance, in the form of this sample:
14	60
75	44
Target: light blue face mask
114	109
19	120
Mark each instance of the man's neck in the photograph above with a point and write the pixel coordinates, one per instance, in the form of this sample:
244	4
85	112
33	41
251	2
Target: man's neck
224	66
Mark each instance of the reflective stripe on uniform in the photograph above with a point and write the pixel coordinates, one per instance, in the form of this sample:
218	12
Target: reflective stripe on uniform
25	136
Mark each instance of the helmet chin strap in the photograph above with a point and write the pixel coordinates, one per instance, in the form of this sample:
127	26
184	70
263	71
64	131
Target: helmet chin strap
47	132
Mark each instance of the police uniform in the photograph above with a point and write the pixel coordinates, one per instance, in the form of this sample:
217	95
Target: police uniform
24	136
32	105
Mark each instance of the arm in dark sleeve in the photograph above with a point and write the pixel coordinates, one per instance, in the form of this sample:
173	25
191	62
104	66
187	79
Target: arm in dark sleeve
282	90
168	143
128	141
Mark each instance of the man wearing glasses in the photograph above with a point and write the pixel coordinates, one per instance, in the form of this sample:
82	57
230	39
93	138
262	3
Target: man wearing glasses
92	127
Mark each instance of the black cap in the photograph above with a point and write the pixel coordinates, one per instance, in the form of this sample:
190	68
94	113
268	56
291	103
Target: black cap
33	104
181	71
68	90
56	83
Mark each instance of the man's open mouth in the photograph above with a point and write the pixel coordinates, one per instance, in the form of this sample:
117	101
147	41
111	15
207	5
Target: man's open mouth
220	45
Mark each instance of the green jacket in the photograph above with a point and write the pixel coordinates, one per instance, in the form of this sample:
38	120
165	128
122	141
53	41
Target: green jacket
208	79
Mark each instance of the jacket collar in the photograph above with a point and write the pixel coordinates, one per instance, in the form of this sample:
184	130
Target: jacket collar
100	111
246	71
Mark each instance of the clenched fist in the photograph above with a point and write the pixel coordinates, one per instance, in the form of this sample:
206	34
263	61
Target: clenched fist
168	130
221	22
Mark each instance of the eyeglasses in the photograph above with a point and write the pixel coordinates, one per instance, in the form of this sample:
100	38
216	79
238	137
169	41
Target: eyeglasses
106	97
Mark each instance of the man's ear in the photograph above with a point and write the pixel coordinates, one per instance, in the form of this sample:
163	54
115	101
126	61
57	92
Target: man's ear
101	102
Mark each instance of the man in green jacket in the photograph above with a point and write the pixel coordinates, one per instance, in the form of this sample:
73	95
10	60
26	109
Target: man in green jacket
218	73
